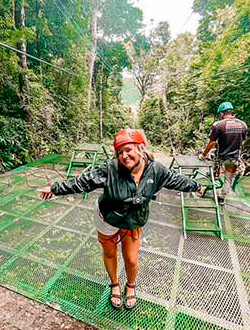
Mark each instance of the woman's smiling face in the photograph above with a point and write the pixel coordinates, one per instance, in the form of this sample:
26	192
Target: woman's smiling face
128	155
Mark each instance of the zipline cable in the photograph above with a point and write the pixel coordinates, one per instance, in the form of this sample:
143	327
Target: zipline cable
98	53
64	99
55	66
63	9
39	60
103	61
211	77
241	67
186	21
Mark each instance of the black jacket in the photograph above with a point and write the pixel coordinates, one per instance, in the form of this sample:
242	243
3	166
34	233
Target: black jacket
122	204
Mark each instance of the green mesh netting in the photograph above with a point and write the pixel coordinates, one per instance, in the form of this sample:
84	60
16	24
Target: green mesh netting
49	252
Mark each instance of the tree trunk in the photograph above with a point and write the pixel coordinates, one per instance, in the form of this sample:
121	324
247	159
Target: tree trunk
166	106
23	76
100	103
67	93
164	97
38	32
38	51
143	93
13	12
92	53
141	101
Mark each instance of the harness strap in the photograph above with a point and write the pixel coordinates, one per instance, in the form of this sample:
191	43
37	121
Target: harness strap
135	200
132	234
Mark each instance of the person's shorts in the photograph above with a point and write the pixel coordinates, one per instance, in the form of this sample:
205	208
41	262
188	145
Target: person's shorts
118	237
107	233
102	226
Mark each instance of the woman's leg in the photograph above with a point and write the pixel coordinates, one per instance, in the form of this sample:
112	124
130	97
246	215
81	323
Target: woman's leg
130	251
109	247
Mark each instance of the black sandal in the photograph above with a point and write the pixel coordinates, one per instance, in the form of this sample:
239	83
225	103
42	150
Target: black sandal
115	295
126	298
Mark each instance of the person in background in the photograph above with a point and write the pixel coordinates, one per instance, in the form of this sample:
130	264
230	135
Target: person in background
229	133
129	183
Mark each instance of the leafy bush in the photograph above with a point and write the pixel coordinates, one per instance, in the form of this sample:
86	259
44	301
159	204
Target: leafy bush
13	143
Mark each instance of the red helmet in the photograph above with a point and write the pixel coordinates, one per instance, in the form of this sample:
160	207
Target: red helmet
129	135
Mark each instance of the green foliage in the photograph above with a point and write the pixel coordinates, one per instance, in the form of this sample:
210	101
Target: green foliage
199	76
13	143
115	118
230	50
141	45
119	18
51	113
204	7
161	34
152	120
113	55
130	94
115	115
145	53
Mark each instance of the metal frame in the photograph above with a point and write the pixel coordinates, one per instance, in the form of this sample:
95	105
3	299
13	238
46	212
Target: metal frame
89	159
195	166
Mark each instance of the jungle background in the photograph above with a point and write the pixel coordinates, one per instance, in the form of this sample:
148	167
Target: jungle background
62	64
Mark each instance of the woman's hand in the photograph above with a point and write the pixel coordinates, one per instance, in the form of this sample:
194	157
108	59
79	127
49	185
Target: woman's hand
45	193
201	157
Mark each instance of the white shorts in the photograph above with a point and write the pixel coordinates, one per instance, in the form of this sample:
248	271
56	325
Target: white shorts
102	226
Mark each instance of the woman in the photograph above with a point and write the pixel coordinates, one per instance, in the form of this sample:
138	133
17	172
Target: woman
129	182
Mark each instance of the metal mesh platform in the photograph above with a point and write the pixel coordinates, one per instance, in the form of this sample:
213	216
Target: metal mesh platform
49	252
